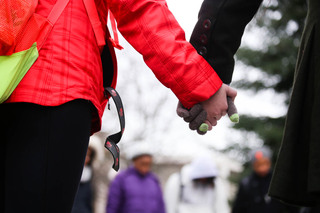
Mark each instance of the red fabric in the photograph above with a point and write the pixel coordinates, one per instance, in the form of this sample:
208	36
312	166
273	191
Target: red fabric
38	27
95	21
69	65
14	15
152	30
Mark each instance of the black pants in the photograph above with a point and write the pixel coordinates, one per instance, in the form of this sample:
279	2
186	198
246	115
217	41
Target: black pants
42	155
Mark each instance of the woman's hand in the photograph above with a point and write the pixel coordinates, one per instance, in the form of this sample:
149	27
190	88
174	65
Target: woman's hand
217	106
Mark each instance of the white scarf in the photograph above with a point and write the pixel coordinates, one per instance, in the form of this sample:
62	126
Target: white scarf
86	174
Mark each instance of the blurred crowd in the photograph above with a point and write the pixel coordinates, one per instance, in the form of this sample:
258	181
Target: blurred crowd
197	187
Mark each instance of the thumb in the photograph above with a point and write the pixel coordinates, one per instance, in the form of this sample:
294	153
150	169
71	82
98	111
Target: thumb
232	93
181	111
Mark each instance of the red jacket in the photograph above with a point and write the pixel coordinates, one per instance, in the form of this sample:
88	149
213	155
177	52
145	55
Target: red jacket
69	64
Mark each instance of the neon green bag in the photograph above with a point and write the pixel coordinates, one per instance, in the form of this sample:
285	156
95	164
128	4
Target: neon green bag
22	34
13	68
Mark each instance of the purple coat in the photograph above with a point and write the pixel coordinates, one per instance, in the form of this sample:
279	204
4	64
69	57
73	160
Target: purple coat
131	192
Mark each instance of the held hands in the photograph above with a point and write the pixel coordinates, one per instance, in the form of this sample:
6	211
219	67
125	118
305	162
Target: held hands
205	115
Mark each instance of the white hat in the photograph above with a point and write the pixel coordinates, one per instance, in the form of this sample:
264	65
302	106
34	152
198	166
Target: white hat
203	167
138	149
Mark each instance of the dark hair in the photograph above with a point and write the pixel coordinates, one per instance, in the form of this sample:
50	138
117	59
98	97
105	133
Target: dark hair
141	155
209	181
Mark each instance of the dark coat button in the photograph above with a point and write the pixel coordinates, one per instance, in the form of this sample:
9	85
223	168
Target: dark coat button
202	51
206	24
204	39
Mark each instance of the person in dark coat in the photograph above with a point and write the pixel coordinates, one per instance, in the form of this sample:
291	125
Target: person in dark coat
297	176
252	196
218	32
217	36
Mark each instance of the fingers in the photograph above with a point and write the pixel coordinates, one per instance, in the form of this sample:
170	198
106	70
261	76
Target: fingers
193	113
195	124
201	132
224	113
224	106
232	93
181	111
211	123
232	111
217	117
208	111
195	116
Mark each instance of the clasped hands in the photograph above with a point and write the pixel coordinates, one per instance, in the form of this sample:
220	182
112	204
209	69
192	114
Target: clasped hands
211	110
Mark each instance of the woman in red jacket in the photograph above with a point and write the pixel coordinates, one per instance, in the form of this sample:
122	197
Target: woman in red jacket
60	101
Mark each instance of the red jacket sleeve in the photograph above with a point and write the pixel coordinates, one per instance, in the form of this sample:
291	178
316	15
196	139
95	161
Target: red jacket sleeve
152	30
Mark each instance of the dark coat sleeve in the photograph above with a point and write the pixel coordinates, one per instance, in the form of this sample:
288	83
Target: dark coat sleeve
217	34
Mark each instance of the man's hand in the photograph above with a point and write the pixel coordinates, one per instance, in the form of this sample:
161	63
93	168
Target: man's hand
209	111
217	106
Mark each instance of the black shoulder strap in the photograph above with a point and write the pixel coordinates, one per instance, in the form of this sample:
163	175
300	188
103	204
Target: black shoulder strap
112	140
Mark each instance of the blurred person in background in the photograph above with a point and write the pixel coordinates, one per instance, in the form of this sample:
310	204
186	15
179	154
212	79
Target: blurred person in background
196	188
137	189
83	202
252	196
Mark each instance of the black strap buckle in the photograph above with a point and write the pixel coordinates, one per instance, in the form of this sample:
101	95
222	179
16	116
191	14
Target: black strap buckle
112	140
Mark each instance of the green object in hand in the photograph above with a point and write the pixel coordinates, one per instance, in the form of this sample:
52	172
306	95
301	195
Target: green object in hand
232	111
204	127
235	118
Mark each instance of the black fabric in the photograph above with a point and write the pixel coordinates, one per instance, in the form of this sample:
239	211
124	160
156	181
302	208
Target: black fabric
252	197
217	34
83	200
42	155
297	173
109	73
112	140
107	64
315	209
217	37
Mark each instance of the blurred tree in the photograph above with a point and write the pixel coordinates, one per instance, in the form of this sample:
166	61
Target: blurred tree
281	24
